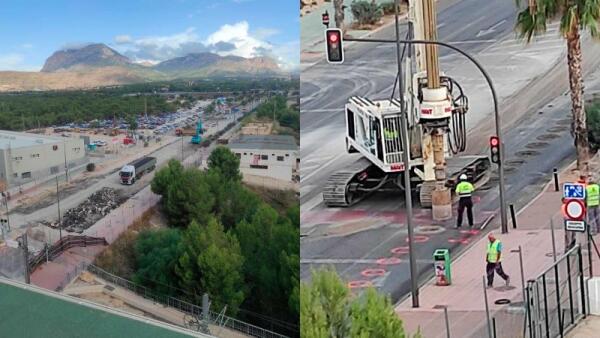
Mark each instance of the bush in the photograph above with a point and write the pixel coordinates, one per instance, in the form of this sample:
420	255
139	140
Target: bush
593	124
90	167
366	13
388	8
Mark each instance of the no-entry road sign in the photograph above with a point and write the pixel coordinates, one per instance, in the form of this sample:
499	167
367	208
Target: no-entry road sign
574	209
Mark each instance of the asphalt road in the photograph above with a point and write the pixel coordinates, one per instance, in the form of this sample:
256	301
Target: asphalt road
367	243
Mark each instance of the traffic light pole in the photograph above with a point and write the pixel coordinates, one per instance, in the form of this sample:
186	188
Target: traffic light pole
405	158
488	79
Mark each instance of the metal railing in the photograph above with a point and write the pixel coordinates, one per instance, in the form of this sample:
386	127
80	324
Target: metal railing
183	306
67	242
556	299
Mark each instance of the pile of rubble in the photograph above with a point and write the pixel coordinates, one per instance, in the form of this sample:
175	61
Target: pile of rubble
96	206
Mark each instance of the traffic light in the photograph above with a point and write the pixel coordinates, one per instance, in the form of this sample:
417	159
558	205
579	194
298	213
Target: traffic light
333	39
495	149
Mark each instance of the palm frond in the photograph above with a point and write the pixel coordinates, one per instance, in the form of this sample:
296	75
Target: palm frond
528	24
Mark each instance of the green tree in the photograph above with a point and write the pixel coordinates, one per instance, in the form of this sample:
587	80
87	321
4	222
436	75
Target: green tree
271	248
575	16
327	309
211	262
132	121
293	214
226	162
186	194
156	253
593	122
324	306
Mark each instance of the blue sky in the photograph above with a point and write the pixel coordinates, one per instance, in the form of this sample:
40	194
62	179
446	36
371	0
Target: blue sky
148	30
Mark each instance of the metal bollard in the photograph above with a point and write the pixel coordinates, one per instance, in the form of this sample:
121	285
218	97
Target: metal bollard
555	173
513	216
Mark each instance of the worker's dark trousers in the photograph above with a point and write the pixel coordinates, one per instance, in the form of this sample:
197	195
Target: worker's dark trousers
490	268
465	202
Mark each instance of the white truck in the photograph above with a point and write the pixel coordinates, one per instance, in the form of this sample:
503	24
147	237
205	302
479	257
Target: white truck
134	170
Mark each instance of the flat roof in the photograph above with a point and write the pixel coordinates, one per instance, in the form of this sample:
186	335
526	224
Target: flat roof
15	139
271	142
30	311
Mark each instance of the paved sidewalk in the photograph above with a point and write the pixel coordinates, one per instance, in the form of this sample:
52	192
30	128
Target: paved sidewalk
464	299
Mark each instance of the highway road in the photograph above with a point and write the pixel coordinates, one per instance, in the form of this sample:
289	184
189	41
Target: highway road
367	243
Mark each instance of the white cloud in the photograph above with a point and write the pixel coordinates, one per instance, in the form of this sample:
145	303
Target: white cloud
230	39
238	35
27	46
122	38
172	41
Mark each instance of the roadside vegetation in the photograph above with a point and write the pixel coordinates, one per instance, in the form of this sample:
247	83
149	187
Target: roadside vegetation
26	111
287	117
221	238
328	309
593	123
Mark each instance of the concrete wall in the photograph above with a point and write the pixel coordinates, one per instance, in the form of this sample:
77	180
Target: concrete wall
279	163
26	164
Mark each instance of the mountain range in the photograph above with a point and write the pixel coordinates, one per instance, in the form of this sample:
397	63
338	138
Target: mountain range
98	65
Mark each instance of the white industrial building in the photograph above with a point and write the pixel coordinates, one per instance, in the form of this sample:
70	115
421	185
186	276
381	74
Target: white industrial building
274	156
26	157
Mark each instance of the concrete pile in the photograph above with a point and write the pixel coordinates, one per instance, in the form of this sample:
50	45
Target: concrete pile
96	206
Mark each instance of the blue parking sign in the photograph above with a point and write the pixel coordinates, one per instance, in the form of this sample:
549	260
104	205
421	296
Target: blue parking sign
574	190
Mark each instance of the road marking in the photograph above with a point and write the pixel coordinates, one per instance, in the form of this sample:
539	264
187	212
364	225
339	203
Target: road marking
325	110
323	166
473	41
491	29
313	202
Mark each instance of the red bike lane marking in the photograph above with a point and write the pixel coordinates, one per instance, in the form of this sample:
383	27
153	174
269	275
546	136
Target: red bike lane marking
359	284
373	272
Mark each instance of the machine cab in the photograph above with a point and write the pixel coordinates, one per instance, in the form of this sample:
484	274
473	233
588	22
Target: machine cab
373	129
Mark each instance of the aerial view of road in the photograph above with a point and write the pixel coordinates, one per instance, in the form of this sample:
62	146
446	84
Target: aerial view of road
370	238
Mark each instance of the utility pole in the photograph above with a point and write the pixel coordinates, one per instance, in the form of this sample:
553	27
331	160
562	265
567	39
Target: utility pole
23	245
5	194
66	167
338	7
58	205
406	159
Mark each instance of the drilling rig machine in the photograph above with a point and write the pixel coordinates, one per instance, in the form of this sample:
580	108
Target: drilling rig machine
436	131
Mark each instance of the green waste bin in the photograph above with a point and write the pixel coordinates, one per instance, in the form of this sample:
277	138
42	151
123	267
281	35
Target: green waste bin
441	263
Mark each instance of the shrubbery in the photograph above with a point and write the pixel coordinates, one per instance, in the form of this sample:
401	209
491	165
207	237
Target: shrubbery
366	13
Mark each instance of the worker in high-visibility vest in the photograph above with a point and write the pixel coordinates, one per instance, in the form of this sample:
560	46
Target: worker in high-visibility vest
592	199
464	190
493	261
390	134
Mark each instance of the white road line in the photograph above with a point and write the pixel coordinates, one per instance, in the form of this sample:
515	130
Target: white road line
324	165
350	261
313	202
324	110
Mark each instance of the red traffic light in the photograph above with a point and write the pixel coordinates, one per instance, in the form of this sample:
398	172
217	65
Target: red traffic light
334	49
494	141
333	37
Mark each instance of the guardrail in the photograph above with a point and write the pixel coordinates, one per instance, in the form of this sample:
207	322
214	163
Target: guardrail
66	243
183	306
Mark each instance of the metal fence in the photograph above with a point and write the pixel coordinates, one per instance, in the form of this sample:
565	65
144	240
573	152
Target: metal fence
556	299
185	307
66	243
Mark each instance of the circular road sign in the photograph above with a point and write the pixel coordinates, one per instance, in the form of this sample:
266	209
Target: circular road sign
575	209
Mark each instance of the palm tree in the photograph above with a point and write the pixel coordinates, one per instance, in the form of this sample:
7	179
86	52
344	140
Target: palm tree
574	16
